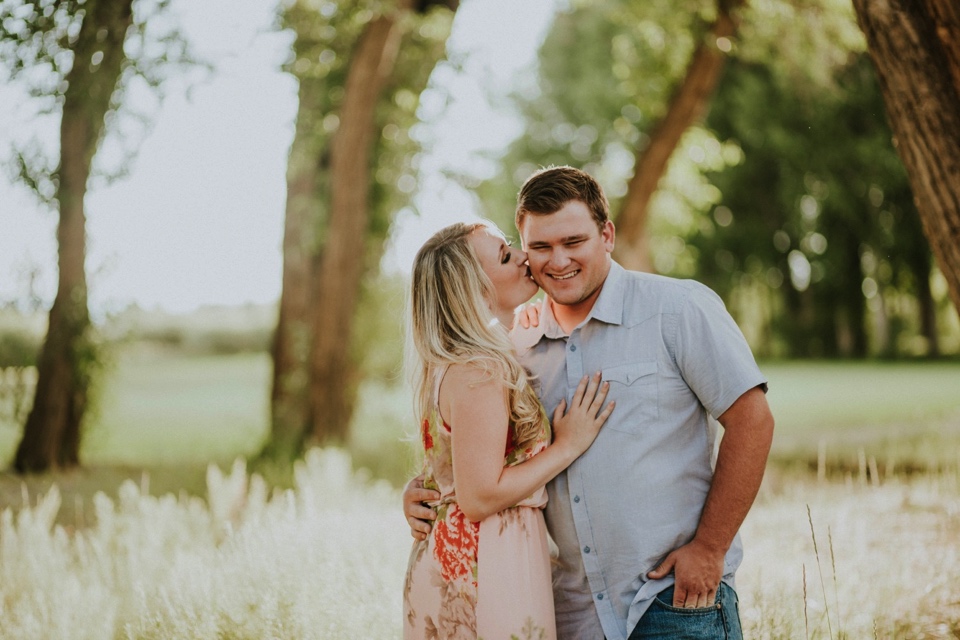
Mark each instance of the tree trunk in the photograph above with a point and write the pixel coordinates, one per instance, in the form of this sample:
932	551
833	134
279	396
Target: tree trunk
920	265
916	51
854	300
51	436
686	107
338	269
927	311
291	337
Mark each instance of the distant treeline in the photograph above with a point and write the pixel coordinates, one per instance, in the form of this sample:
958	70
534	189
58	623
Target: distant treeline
206	331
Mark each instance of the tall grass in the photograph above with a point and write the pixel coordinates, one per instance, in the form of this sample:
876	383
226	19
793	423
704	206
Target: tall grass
326	560
890	571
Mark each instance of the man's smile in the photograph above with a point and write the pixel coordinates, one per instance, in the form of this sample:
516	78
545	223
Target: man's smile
565	276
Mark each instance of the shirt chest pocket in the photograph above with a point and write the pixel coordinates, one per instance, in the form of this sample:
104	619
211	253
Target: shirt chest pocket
634	387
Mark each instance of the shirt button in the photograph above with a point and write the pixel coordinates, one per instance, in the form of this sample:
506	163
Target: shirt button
600	596
576	498
573	347
586	549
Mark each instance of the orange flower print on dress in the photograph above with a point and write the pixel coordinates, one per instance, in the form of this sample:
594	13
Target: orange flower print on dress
445	570
456	544
427	438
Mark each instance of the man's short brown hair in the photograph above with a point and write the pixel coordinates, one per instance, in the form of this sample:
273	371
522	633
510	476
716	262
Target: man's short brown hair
548	190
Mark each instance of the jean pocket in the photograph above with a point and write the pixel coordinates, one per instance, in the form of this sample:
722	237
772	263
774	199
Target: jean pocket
634	387
664	600
663	620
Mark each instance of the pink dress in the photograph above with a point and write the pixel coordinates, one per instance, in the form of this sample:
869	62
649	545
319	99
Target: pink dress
486	580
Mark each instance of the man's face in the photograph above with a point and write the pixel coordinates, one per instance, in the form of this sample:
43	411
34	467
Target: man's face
569	256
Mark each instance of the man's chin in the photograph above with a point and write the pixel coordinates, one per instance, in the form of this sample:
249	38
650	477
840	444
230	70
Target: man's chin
565	298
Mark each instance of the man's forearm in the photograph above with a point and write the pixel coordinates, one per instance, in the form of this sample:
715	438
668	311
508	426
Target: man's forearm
741	461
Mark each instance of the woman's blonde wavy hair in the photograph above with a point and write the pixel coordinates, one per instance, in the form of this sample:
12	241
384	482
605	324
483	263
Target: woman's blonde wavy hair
451	322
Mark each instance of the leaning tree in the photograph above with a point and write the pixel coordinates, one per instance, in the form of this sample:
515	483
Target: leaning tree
915	47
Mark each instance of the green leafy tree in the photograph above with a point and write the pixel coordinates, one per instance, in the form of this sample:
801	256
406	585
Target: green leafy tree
607	71
622	85
361	66
817	215
808	164
76	57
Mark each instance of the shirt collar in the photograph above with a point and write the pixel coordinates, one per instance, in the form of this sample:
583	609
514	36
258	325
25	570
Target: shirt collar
608	309
609	305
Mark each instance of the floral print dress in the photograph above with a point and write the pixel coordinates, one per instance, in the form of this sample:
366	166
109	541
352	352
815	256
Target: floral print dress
486	580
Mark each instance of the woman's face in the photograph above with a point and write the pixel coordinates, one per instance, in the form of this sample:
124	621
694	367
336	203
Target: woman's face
506	267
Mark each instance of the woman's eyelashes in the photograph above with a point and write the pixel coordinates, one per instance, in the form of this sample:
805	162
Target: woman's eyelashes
506	254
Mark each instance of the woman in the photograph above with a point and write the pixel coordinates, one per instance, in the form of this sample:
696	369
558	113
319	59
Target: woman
484	570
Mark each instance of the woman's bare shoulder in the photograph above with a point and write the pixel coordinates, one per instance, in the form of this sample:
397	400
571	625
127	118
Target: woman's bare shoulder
463	375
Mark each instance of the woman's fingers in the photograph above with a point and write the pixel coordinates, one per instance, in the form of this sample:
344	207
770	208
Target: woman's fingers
533	315
585	398
603	415
579	393
598	399
558	412
418	528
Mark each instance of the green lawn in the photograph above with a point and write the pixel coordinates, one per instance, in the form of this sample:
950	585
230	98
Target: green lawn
908	412
164	409
175	409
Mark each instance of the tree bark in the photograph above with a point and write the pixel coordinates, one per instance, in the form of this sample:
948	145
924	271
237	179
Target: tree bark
51	436
686	107
916	52
338	269
291	337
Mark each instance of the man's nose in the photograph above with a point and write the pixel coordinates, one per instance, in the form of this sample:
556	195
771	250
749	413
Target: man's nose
558	259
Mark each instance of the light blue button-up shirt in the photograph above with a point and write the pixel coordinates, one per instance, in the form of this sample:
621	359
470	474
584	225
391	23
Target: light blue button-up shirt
674	357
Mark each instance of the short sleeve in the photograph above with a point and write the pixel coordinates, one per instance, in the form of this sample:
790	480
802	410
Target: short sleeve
711	353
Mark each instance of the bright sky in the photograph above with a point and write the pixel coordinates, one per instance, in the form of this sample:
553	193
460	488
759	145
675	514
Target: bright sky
199	218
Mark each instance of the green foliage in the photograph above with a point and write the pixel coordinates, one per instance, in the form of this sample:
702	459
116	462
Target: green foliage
378	328
18	348
606	71
397	151
834	207
794	166
37	40
326	34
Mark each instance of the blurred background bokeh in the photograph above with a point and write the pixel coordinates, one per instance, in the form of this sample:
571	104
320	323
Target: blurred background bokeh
239	188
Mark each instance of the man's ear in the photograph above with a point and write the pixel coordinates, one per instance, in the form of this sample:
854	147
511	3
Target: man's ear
609	236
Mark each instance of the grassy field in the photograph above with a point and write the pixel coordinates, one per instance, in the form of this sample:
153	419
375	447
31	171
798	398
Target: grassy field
172	549
164	416
160	409
904	414
325	560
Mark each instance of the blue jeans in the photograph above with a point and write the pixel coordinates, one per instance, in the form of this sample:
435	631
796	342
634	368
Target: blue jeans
663	621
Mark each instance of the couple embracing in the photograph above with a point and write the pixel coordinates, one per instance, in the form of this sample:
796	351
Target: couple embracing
630	367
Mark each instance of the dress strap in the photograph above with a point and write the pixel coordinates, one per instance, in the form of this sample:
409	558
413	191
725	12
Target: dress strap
438	378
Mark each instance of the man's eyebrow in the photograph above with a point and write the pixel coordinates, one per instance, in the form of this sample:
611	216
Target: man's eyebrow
565	239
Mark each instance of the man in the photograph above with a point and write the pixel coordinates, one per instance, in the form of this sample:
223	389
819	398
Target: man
645	525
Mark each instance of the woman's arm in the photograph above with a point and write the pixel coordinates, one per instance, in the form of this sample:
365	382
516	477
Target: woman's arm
476	408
